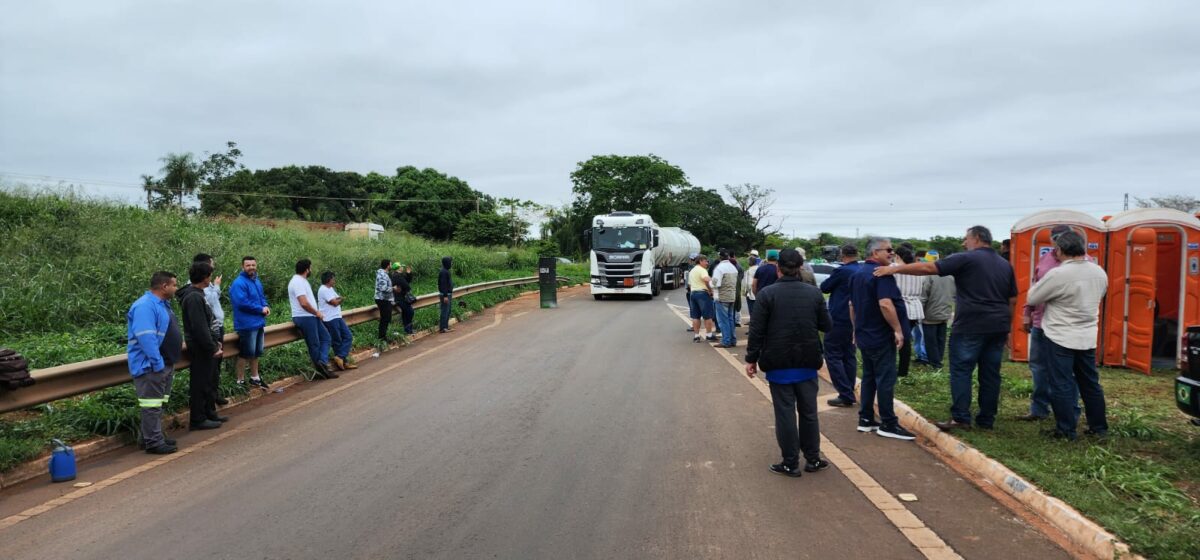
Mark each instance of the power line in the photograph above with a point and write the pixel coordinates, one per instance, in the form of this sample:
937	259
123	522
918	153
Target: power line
234	193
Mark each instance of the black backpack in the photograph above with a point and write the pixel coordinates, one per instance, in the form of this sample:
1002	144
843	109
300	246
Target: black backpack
14	370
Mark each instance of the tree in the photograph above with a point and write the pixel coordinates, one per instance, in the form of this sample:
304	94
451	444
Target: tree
157	196
1181	202
715	222
644	184
755	202
219	167
181	174
564	227
438	202
520	215
483	229
945	245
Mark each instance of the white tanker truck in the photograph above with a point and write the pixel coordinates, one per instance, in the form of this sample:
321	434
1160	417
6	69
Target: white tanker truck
632	255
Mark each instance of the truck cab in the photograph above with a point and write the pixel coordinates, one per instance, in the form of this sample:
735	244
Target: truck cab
622	256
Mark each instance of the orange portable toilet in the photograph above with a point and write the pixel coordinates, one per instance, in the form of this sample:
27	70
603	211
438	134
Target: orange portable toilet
1030	240
1153	287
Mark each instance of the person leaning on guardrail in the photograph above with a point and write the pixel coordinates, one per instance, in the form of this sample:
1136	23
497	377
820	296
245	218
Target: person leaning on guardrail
385	297
402	287
445	295
201	337
155	346
309	319
329	303
250	311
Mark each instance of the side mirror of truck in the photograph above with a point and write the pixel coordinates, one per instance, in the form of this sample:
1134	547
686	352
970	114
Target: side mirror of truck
655	240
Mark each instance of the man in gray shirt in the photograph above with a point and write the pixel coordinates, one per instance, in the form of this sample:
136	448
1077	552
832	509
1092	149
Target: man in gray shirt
1072	294
938	300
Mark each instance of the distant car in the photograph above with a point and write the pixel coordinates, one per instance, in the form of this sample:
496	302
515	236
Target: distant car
564	260
822	271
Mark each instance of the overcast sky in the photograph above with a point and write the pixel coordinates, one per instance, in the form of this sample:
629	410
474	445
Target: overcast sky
904	118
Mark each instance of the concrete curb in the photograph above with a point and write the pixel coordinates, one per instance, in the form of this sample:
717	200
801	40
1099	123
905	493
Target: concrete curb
1083	532
94	448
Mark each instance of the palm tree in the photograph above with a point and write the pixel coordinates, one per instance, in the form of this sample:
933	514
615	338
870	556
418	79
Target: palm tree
181	174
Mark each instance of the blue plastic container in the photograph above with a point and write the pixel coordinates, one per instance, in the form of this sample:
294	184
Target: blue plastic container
62	462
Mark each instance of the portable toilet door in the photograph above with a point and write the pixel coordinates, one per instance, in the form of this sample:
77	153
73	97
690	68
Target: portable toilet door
1153	287
1030	241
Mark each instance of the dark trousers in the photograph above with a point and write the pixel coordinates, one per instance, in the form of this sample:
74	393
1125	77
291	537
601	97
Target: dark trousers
385	317
446	303
796	427
878	382
968	352
406	315
1073	371
905	356
841	362
202	376
316	337
935	343
750	306
340	338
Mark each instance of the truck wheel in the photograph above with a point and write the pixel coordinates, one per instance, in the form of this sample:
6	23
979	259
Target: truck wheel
656	283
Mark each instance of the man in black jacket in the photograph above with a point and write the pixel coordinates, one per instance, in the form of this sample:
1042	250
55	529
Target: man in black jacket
784	341
445	295
203	346
402	287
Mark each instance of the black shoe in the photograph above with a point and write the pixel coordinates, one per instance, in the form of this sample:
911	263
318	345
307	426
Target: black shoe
696	338
1196	422
169	441
221	419
205	425
951	425
780	468
711	338
865	425
814	466
840	402
328	373
163	449
1055	434
1102	434
690	329
221	401
260	384
895	432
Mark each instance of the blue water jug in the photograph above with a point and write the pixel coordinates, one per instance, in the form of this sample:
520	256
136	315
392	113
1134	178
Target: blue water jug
62	462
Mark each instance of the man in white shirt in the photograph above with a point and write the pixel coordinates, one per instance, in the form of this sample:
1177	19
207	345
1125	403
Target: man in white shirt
329	303
309	320
1072	294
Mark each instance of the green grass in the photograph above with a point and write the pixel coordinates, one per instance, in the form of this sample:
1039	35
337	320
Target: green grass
69	269
1142	483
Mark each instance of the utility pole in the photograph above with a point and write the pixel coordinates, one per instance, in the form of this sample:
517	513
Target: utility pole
1126	201
855	233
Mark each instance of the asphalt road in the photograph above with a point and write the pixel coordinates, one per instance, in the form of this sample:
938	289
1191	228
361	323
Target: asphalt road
595	430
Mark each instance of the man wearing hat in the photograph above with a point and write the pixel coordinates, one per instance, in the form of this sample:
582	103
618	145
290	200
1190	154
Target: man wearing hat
767	273
1031	322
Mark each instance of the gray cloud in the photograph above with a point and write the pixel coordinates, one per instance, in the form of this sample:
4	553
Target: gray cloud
887	117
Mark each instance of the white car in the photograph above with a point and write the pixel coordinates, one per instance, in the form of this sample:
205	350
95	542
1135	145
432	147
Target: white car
822	271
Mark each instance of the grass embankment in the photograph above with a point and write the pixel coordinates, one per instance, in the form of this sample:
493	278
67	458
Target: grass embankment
69	270
1142	483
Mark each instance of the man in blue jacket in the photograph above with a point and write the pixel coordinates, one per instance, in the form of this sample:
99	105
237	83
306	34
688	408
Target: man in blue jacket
250	311
839	341
155	346
445	294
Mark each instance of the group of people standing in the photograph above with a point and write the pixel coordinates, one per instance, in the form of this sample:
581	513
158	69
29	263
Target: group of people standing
156	338
894	303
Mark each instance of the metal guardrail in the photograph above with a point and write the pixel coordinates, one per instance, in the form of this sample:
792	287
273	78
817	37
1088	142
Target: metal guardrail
77	378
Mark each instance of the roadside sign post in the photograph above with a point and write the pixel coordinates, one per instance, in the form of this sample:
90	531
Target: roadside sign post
548	280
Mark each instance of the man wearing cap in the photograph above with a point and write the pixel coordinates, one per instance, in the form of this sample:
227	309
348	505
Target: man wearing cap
784	340
839	341
1031	322
701	302
767	273
724	283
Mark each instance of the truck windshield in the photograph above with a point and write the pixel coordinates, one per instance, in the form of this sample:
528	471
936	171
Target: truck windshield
629	238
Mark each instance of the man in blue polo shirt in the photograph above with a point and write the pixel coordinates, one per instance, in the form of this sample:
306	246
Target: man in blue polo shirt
987	294
839	341
783	340
877	309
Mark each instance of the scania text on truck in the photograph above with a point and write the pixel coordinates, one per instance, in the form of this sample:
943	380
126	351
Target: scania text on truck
633	255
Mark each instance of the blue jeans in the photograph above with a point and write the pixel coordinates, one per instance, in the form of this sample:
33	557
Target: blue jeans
446	304
1074	372
841	362
315	336
935	343
725	322
250	343
1039	404
339	337
918	342
968	352
878	381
